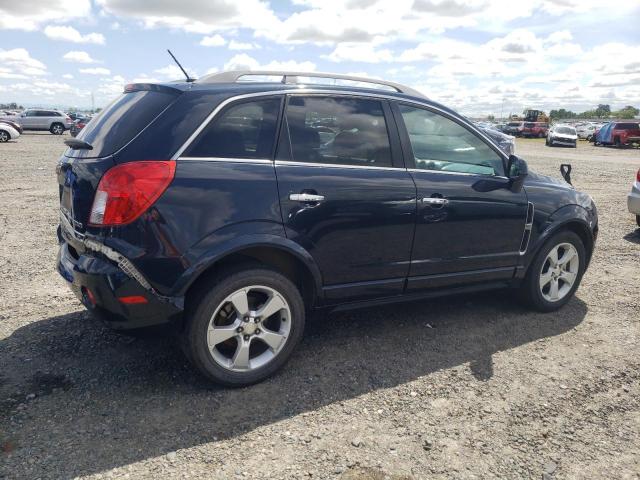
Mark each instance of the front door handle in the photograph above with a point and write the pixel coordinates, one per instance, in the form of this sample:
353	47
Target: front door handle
435	201
306	197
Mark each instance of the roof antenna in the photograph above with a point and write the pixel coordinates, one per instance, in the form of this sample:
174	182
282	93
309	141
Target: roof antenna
189	79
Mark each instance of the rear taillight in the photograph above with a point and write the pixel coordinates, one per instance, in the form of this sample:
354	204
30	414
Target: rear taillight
128	190
638	176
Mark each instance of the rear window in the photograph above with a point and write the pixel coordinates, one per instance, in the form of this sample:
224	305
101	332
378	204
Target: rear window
123	119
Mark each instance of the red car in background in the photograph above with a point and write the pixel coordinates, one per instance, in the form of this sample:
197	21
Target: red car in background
618	134
535	129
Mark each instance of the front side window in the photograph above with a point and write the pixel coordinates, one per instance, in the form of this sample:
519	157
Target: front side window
244	130
439	143
32	113
338	130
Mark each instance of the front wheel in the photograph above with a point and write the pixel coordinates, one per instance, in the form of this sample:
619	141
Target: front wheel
57	129
244	326
638	220
4	136
555	273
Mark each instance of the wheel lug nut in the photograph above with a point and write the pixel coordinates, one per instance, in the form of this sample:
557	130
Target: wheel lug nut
239	329
246	337
245	319
257	331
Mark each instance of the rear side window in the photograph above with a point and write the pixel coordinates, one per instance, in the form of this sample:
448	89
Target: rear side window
123	119
335	130
243	130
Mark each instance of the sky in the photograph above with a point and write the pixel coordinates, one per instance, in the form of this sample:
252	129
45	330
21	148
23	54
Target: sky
479	57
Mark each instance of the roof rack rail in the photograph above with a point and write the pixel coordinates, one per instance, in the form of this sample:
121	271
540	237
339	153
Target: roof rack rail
234	76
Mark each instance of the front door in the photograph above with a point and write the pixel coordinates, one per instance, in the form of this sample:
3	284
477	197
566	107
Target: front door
470	224
345	194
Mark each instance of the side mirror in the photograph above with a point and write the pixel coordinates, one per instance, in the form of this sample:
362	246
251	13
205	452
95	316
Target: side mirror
517	171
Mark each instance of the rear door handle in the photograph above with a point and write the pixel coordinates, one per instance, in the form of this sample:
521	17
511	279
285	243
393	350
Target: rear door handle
435	201
306	197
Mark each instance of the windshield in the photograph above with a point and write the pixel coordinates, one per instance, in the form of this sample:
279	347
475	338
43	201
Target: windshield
566	130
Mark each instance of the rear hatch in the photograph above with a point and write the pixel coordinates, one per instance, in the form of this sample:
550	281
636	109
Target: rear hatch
96	148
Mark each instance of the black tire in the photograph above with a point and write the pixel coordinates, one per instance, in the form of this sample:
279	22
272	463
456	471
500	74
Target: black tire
56	129
617	143
530	291
638	220
207	300
546	141
4	136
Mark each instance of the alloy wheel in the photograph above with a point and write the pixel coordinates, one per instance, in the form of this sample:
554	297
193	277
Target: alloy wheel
559	272
249	328
4	137
57	130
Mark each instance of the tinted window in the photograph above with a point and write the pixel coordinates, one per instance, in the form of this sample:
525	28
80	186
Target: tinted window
122	120
566	130
244	130
32	113
439	143
45	113
344	131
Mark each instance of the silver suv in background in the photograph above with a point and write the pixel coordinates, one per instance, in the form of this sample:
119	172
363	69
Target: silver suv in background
53	121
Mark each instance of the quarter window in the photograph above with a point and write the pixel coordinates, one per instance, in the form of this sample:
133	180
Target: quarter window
338	130
439	143
244	130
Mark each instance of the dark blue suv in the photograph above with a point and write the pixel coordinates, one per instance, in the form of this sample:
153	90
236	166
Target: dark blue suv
231	209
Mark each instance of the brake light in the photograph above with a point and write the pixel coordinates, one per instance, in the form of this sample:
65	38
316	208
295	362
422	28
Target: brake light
133	300
638	176
126	191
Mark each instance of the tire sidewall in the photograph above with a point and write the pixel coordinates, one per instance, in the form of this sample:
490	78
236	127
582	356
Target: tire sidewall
53	126
532	292
198	323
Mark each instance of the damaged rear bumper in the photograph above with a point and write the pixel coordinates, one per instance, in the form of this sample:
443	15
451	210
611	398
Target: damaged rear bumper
101	278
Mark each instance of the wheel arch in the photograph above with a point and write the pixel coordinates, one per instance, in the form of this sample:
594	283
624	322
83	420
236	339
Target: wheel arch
573	218
276	252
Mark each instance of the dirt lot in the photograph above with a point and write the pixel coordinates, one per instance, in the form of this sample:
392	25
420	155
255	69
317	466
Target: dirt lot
473	387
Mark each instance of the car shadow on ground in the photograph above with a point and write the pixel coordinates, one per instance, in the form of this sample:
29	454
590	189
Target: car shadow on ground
104	400
633	237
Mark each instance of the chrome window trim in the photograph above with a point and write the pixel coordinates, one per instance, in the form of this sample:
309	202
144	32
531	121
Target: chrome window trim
445	172
315	91
228	160
291	163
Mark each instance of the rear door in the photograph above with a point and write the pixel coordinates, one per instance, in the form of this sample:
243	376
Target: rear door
30	120
345	194
469	225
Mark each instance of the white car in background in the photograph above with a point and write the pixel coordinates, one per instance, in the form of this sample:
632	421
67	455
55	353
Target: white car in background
7	132
562	135
586	130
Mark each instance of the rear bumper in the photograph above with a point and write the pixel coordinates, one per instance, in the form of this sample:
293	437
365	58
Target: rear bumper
99	284
633	199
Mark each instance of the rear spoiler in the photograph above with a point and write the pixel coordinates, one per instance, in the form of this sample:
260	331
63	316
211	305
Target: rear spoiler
150	87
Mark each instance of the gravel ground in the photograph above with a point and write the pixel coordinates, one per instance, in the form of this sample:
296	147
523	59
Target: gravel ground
473	387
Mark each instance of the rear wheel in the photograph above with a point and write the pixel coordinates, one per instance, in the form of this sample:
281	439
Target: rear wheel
638	220
244	326
4	136
617	143
57	129
556	272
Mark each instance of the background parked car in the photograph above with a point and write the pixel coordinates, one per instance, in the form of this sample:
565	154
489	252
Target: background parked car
514	128
13	124
633	199
535	129
78	124
586	130
7	132
562	135
618	134
53	121
507	143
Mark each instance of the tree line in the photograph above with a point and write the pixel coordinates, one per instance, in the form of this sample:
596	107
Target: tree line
602	111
